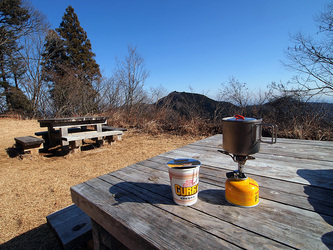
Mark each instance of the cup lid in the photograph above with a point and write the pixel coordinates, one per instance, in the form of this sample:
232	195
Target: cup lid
183	163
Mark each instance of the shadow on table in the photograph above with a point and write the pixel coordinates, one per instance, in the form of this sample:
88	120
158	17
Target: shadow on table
315	177
146	193
214	197
159	194
38	238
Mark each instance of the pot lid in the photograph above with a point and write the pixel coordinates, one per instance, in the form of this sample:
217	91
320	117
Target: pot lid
183	163
240	118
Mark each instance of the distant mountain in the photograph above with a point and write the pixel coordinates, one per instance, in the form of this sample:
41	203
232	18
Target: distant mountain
288	105
192	104
327	107
197	105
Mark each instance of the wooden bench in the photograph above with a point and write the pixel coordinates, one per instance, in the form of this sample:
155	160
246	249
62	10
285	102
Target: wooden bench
109	128
71	226
28	143
75	139
56	136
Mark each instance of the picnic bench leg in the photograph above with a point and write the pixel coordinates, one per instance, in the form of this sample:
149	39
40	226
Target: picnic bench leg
98	127
35	151
64	144
75	146
99	141
110	139
64	132
22	150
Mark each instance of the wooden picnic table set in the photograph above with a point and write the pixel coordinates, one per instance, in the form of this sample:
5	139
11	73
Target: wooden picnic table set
160	204
69	133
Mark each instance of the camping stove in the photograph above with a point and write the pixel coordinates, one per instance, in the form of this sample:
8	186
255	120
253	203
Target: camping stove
241	139
241	190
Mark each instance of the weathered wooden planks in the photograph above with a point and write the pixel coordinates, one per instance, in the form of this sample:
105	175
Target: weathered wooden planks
70	121
303	149
274	166
28	142
89	135
71	226
141	226
152	187
135	204
285	192
59	130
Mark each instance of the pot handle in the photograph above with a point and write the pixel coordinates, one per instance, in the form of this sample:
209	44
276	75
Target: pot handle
274	132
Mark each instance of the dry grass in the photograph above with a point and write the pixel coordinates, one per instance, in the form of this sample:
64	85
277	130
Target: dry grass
34	187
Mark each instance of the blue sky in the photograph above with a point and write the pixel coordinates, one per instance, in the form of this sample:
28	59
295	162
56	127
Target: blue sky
194	45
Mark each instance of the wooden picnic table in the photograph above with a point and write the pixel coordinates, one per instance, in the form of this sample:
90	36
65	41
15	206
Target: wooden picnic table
59	128
133	206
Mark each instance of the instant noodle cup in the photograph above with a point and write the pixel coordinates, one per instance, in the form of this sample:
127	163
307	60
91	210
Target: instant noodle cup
184	180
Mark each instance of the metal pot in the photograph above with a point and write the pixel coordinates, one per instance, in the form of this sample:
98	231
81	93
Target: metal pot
242	135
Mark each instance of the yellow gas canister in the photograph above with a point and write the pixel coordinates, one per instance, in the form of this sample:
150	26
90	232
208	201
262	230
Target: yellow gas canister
242	192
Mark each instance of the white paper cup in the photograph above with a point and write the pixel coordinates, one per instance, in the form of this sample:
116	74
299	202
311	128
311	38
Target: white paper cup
184	180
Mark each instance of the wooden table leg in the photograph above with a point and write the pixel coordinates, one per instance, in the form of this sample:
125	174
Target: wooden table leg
103	239
64	132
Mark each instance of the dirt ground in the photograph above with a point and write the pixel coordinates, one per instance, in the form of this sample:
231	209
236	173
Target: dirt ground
35	186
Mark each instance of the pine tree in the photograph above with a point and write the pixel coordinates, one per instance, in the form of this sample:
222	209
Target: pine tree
78	46
54	67
71	67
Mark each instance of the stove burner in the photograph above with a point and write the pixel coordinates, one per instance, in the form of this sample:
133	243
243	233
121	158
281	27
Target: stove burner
240	159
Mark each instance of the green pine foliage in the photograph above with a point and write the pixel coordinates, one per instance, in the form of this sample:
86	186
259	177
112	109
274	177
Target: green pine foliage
70	67
78	46
18	102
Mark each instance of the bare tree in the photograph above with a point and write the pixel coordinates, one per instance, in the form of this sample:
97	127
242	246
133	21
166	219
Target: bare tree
32	51
21	29
131	74
237	93
109	93
156	93
312	57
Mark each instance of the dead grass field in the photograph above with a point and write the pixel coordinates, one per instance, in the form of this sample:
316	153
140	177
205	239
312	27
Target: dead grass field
34	187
